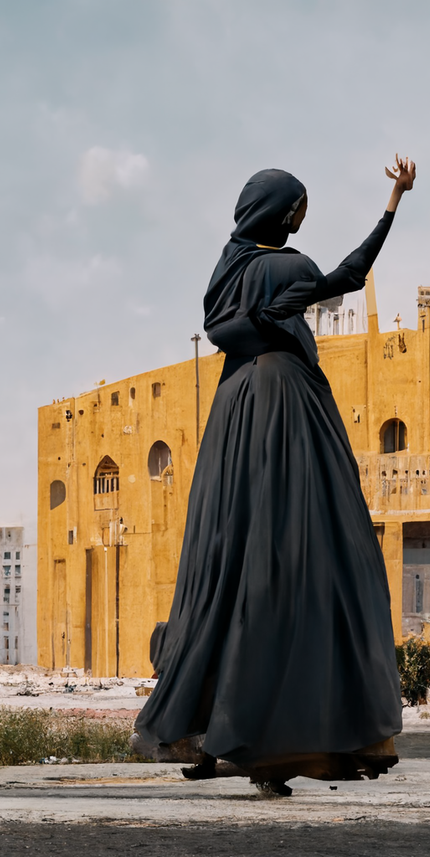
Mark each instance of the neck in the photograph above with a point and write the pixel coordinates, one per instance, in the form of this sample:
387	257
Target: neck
267	247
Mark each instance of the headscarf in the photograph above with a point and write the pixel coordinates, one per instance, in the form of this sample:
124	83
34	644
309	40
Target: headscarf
263	214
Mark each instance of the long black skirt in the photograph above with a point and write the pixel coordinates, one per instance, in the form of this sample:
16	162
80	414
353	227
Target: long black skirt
279	639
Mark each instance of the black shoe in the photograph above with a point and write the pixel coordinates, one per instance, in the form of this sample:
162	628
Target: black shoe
275	787
199	772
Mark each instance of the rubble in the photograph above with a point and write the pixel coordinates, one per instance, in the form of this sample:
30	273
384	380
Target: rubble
68	688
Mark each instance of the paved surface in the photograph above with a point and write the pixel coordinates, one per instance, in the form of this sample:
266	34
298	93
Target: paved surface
127	809
153	794
362	839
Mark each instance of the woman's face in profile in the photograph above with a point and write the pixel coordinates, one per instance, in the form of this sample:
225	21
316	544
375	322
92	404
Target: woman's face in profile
299	216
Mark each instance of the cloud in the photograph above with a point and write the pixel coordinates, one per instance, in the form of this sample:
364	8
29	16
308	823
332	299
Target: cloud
101	171
141	310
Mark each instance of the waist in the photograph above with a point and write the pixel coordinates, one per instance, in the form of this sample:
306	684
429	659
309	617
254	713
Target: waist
286	342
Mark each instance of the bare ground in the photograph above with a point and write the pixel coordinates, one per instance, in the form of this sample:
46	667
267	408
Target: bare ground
352	840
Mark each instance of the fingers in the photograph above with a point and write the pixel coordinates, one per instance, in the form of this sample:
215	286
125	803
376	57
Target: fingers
403	167
403	164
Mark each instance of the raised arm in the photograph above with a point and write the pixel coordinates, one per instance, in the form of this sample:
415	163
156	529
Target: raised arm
352	271
404	181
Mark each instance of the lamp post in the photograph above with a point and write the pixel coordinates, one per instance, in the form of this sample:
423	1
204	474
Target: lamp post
196	339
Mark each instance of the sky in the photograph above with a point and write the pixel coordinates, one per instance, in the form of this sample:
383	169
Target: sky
129	127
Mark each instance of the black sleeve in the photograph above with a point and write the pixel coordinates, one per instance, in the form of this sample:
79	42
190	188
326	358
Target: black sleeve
351	274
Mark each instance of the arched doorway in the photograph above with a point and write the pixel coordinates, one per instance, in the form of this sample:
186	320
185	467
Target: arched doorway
393	436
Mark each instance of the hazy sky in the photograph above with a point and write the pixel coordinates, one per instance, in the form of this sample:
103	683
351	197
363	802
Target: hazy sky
128	128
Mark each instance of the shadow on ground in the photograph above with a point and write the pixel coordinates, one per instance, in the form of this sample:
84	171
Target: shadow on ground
361	839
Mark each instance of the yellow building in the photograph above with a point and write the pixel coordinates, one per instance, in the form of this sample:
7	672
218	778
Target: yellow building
115	468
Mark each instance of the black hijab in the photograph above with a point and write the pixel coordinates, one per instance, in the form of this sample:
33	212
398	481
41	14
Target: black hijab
263	213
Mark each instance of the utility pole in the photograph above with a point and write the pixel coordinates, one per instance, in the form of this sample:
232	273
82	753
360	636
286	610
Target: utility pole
196	339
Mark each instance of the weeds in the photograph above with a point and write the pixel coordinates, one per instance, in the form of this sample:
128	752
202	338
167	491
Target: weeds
413	663
30	735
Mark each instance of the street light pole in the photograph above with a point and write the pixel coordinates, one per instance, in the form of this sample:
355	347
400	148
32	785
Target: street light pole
196	339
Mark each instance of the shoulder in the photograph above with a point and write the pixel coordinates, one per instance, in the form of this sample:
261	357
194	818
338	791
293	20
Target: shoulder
288	264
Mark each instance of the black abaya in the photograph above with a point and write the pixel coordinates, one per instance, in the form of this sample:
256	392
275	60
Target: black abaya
279	639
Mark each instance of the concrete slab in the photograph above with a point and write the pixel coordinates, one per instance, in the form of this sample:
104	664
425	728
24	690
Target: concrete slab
151	794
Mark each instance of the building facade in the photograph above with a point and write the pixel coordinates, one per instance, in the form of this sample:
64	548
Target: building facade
115	468
19	597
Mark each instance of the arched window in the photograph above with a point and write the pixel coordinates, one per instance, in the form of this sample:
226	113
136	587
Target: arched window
159	458
106	478
57	493
394	436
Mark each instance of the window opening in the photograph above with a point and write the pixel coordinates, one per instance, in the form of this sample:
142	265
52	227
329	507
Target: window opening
393	436
6	595
18	570
156	390
6	643
132	392
69	415
70	537
6	555
159	458
17	554
106	477
17	592
57	493
6	570
114	399
419	594
16	642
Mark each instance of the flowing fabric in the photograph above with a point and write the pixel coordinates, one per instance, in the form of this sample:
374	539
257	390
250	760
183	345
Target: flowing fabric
279	639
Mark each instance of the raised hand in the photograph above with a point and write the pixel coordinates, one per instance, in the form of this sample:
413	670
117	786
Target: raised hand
406	173
404	179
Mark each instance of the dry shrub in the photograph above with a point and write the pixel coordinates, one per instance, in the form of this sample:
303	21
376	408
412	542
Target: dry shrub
29	735
413	663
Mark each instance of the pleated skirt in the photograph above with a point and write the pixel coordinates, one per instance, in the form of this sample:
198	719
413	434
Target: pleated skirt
279	639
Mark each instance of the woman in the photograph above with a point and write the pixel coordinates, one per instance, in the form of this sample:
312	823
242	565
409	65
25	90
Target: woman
279	646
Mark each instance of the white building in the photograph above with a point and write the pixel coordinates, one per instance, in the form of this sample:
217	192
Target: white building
327	319
18	562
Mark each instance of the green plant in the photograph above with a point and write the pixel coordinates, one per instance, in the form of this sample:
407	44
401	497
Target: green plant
29	735
413	663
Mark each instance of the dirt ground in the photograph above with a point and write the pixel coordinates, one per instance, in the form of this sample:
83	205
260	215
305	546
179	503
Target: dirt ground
98	840
127	809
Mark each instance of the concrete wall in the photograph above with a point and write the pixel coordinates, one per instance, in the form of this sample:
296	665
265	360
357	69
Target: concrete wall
107	563
27	612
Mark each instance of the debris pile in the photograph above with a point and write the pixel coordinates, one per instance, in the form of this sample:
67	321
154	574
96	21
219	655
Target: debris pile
69	687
